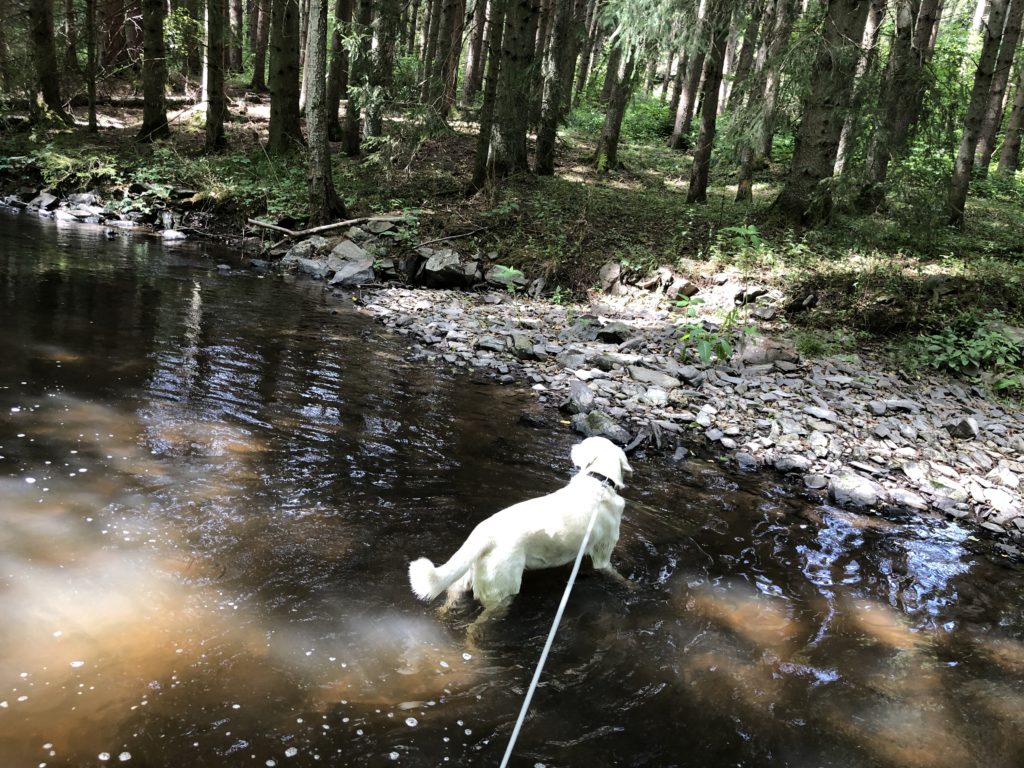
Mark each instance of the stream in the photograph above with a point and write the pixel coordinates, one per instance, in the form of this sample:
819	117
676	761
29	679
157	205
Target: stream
211	485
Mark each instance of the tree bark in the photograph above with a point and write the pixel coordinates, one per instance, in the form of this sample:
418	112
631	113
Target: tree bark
154	73
70	37
804	198
992	33
508	138
573	52
382	64
865	65
495	36
474	77
745	61
687	99
358	75
324	203
430	41
44	51
713	70
997	91
235	20
606	157
90	62
216	104
612	73
589	49
552	93
337	74
903	87
259	50
1009	157
284	131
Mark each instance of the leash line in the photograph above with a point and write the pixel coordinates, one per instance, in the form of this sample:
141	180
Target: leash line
551	638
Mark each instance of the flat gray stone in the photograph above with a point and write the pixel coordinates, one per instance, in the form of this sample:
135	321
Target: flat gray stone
655	378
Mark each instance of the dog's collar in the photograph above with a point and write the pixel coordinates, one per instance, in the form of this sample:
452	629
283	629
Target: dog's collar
603	479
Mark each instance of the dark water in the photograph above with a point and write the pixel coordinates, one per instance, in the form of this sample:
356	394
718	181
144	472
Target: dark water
210	486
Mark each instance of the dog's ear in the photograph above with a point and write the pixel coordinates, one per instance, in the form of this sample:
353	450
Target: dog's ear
624	462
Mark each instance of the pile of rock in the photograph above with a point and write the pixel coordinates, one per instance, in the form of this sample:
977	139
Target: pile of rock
851	429
92	208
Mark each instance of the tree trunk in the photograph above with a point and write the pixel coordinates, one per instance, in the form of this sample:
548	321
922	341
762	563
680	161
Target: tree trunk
382	64
508	139
959	182
252	18
410	37
606	157
997	92
495	35
284	131
259	50
430	42
90	61
687	99
324	204
436	78
475	58
725	81
337	75
552	94
677	84
746	58
572	52
154	73
358	66
804	199
713	70
865	65
44	51
236	36
70	37
191	40
589	49
216	104
1009	157
903	89
450	73
612	73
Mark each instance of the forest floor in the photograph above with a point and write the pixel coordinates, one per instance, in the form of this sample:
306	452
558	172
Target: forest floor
892	295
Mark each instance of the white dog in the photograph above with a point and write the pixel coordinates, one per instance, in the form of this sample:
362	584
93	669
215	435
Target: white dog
539	533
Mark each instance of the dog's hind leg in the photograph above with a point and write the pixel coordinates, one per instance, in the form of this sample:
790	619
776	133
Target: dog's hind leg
490	613
455	593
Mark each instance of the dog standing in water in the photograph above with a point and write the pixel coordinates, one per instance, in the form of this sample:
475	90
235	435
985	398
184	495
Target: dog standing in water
539	533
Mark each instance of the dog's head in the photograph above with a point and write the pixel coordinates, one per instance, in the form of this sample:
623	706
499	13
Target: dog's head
599	454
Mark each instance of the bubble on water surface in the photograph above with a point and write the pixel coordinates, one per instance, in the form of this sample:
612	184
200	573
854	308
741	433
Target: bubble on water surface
271	763
393	755
412	722
30	480
124	757
103	756
77	664
291	752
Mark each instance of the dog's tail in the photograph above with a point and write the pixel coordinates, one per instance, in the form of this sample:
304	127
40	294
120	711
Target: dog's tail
428	581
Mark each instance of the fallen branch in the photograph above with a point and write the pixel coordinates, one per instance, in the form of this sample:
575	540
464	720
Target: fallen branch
291	234
450	237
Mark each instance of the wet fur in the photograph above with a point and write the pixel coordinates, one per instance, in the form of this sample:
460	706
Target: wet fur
539	533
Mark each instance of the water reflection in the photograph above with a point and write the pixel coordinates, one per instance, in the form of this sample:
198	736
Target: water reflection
212	484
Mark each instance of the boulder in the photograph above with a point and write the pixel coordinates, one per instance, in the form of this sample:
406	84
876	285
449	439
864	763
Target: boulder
850	489
610	275
581	398
614	333
792	463
44	201
655	378
599	424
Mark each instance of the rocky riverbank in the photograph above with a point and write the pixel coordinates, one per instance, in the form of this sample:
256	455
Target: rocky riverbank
848	427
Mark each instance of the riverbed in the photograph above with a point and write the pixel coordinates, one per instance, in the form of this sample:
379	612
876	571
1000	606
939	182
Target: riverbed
212	482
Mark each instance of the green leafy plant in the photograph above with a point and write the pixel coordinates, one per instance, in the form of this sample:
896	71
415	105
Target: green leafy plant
973	347
716	342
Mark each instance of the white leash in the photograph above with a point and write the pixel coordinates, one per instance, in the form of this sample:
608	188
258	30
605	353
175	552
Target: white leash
550	640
